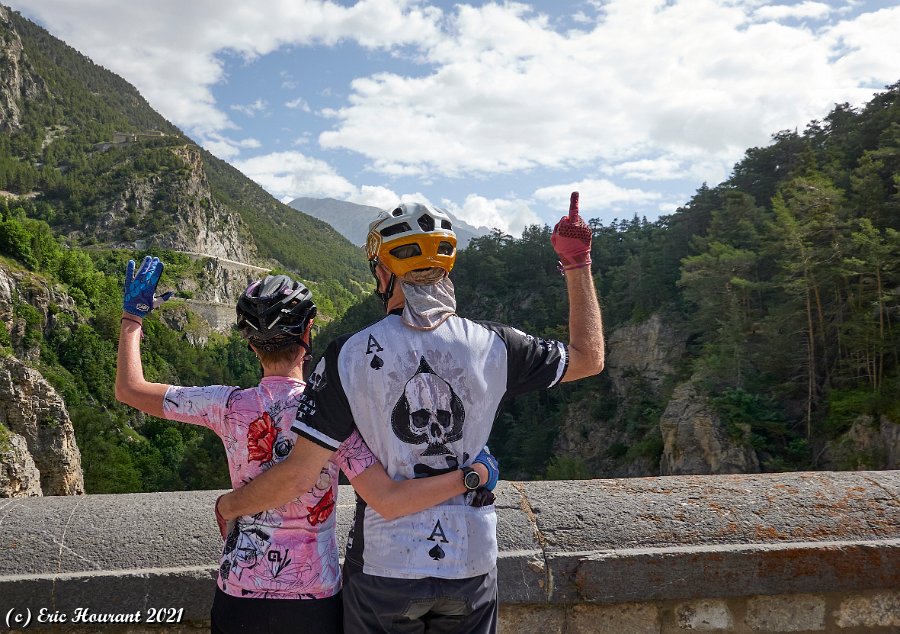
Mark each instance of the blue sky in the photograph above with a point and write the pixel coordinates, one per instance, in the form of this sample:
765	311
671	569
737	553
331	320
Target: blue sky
495	111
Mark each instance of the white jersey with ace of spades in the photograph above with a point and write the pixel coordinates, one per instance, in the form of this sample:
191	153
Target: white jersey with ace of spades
424	401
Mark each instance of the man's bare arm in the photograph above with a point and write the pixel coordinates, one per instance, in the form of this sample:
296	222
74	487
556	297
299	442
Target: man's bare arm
394	498
587	348
290	478
572	242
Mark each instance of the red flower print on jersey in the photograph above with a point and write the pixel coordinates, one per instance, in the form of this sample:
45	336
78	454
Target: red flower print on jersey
322	510
261	435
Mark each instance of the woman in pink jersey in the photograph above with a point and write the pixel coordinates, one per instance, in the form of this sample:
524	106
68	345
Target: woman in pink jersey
279	569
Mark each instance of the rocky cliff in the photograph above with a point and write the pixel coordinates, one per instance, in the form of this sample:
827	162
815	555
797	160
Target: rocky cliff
653	428
601	431
18	81
190	219
30	408
695	440
871	443
19	477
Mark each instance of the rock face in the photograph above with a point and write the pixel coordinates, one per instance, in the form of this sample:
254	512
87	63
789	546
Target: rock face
640	358
19	477
25	298
30	407
868	444
18	82
651	348
222	282
695	440
198	224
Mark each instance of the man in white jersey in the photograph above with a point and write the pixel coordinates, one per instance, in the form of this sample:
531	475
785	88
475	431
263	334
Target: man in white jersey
423	387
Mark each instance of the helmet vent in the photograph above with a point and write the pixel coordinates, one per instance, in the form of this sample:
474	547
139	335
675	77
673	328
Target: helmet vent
426	222
397	212
400	227
445	224
445	248
406	251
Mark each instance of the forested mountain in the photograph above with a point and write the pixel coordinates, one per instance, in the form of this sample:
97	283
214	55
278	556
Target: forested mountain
90	176
756	328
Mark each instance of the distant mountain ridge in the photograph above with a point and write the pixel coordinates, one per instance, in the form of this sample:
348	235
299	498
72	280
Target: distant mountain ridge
352	220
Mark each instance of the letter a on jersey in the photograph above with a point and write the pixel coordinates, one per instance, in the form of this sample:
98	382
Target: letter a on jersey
373	345
439	531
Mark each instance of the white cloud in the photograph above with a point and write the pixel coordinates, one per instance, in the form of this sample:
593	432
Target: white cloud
292	174
649	169
598	198
696	81
298	104
251	109
814	10
374	196
510	216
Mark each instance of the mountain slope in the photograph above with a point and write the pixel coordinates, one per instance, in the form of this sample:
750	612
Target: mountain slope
352	220
109	170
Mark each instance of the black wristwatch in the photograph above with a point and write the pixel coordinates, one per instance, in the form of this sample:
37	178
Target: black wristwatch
471	478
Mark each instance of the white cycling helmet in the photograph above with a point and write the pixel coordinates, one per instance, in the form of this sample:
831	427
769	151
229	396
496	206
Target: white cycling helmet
412	236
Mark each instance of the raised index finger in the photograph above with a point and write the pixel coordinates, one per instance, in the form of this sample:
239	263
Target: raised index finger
573	206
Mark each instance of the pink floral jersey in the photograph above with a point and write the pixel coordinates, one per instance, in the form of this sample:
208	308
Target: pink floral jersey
285	553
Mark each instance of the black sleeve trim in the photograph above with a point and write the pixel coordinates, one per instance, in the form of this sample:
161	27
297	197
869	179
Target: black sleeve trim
314	439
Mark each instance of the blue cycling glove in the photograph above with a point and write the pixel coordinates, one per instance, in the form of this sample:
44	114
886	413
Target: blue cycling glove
493	467
139	299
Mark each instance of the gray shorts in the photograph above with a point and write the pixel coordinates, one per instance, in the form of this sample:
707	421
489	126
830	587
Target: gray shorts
420	606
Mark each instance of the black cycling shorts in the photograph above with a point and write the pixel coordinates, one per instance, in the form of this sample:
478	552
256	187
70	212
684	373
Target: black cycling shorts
271	616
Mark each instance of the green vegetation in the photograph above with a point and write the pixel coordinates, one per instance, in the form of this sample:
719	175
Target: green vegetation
122	450
784	277
5	439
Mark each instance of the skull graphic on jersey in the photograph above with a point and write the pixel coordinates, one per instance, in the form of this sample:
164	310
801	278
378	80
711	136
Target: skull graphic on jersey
429	411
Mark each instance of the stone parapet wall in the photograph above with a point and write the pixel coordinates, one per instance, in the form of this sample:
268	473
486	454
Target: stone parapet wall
804	552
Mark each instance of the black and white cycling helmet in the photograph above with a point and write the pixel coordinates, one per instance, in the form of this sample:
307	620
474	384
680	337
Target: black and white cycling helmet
274	312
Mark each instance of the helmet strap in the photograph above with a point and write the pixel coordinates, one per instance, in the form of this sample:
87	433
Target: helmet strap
384	296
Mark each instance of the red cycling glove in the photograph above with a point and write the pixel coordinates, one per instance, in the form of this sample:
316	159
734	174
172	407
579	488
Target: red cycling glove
571	239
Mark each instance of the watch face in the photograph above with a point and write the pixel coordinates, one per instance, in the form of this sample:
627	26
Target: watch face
472	480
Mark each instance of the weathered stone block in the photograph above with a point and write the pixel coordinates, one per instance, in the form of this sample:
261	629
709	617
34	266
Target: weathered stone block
881	609
531	618
704	616
786	613
634	618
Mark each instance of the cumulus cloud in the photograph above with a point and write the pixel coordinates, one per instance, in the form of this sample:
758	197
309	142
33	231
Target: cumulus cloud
374	196
251	109
510	216
649	169
813	10
293	174
684	79
598	198
226	147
